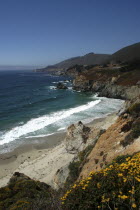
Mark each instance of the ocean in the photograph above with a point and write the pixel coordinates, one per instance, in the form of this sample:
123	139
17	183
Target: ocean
32	108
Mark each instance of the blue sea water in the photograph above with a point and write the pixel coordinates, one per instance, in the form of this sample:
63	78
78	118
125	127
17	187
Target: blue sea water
31	107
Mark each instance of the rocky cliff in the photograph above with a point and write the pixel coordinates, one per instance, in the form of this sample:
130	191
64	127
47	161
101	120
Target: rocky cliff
123	136
110	83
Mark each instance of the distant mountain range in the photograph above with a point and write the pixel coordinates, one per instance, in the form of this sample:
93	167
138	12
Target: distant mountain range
125	54
88	59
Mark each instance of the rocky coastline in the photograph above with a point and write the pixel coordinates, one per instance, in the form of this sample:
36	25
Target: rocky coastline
88	147
111	86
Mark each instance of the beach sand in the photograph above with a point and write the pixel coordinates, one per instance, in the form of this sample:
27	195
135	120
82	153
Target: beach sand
41	161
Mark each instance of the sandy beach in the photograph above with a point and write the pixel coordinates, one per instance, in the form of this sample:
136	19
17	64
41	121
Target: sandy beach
42	161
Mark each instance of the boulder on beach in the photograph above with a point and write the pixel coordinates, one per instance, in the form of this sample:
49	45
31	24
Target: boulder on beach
76	137
61	86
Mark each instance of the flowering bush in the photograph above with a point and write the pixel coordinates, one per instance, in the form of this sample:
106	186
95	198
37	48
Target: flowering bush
115	187
26	194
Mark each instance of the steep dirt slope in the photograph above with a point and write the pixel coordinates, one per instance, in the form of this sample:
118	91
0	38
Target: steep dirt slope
110	145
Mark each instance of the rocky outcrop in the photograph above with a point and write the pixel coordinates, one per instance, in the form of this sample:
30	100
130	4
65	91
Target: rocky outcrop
81	83
77	137
118	91
61	86
61	176
108	89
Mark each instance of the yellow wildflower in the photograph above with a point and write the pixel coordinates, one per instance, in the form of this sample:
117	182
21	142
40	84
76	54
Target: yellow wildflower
124	197
98	185
137	179
134	205
120	174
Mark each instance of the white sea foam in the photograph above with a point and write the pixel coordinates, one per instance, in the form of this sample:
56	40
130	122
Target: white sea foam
60	129
52	87
39	136
42	122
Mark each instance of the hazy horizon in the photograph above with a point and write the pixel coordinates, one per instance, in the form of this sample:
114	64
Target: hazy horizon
17	67
33	67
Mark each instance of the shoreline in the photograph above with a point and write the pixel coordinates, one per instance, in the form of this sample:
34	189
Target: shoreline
30	154
48	142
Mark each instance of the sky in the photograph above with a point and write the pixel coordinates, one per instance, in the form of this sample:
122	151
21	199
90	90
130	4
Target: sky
45	32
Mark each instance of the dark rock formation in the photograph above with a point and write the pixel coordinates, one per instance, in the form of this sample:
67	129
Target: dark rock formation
82	83
120	92
61	86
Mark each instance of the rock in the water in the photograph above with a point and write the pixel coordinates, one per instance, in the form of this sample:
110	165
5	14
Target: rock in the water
61	86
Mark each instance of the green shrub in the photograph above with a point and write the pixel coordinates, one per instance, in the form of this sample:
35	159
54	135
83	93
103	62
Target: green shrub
134	133
83	154
26	194
134	109
74	170
136	129
121	159
76	166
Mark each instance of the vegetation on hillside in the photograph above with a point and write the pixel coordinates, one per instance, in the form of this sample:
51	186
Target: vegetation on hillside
127	54
76	166
132	126
25	193
115	187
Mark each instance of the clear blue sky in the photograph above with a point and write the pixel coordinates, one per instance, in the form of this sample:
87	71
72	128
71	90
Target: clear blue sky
42	32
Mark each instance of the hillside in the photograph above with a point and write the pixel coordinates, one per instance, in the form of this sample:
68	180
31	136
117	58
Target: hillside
116	187
124	55
88	59
127	54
